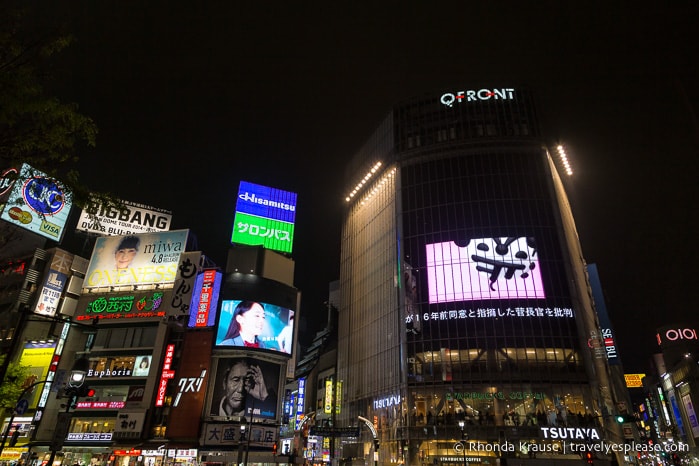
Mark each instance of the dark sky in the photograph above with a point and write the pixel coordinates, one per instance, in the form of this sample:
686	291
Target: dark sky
192	97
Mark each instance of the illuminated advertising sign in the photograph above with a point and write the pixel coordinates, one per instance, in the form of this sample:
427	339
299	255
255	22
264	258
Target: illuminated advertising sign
184	284
132	306
104	367
192	380
300	402
474	95
674	335
54	283
610	350
37	357
245	387
486	268
253	324
129	219
7	180
37	203
144	259
166	374
205	299
634	380
264	217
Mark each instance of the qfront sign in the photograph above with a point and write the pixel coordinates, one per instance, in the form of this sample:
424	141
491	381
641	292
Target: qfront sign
474	95
570	433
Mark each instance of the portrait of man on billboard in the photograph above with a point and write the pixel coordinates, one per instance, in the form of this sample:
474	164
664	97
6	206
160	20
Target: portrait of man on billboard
245	387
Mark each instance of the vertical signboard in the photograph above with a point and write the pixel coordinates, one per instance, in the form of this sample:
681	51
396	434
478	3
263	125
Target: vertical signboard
264	217
205	299
166	374
184	284
54	283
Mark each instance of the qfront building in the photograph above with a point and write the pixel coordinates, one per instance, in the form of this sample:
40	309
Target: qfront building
467	331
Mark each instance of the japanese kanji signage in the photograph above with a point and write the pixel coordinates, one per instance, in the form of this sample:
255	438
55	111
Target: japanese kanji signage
264	217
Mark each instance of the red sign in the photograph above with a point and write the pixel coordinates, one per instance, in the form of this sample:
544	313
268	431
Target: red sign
101	404
165	375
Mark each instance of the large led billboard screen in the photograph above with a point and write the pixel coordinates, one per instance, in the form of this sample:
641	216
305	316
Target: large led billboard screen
485	268
129	219
264	217
245	386
254	324
37	203
144	259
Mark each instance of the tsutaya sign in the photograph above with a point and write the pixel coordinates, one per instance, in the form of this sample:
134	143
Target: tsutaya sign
570	433
474	95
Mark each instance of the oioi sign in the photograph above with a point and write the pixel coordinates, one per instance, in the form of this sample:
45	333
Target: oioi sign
264	217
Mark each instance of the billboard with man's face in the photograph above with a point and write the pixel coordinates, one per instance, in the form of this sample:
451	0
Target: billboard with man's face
145	259
245	387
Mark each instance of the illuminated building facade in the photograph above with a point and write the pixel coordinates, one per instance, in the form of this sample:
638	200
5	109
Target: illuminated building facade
465	308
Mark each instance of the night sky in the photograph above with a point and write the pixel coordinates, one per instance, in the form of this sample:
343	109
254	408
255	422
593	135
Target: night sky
192	97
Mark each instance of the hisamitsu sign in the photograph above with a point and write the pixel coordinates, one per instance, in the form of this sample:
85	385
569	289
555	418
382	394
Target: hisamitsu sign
264	217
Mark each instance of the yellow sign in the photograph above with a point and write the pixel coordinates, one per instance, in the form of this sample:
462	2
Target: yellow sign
634	380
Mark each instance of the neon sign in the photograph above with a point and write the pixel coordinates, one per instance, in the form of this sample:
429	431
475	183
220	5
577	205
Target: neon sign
165	375
471	95
124	307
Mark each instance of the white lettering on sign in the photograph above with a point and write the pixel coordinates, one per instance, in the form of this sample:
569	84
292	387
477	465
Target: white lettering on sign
189	384
246	196
386	402
449	98
570	433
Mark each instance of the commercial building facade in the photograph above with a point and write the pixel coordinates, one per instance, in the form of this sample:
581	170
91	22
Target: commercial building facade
465	309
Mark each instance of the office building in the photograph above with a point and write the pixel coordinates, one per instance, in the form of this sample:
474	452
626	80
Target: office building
465	309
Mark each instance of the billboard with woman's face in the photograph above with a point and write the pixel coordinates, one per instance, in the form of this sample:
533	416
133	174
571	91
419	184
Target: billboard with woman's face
255	324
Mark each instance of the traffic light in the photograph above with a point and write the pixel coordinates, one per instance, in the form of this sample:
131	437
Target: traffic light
588	457
376	444
85	391
624	418
274	449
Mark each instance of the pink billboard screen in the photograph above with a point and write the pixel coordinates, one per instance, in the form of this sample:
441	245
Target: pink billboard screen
486	268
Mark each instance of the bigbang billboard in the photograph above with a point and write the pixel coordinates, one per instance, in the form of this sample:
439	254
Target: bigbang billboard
145	259
264	217
130	219
36	202
253	324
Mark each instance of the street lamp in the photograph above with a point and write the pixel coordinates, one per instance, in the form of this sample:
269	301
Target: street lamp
79	372
463	440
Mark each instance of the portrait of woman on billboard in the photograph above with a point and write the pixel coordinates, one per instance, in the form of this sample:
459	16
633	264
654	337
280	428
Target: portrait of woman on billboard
253	324
245	387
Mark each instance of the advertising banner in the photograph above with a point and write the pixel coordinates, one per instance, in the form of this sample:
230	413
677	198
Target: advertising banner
205	299
192	382
54	283
130	219
245	387
184	284
144	259
36	357
253	324
264	217
485	268
38	203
